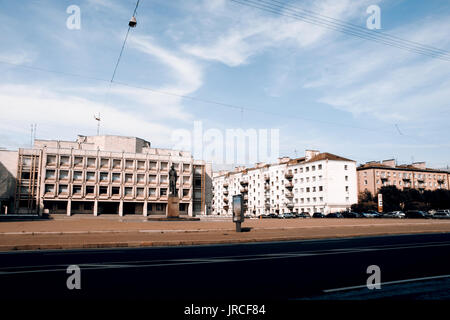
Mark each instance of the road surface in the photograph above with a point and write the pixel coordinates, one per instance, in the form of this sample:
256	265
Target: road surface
411	267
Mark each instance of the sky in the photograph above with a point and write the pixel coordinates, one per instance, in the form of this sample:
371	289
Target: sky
322	89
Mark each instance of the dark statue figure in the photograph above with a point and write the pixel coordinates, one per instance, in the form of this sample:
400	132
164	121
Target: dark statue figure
173	181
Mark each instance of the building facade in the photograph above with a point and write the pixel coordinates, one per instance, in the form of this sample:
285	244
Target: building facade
102	175
318	182
375	174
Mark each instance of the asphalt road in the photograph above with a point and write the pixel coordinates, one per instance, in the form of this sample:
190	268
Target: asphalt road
412	267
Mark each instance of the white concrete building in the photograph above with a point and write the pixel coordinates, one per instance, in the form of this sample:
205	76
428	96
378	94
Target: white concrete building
318	182
101	175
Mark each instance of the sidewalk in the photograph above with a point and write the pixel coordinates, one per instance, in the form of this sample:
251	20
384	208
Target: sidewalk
89	232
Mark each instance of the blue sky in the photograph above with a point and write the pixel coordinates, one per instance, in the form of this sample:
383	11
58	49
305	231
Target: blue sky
322	89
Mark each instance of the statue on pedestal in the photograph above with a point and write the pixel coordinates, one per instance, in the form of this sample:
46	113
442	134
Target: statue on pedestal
173	181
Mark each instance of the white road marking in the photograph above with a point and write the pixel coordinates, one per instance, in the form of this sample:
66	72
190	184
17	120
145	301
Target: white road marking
388	283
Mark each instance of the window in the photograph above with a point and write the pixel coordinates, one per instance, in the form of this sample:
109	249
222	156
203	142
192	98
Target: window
103	190
164	179
77	175
128	178
163	191
319	167
346	178
116	177
115	191
91	162
185	192
103	176
63	175
140	178
320	188
49	188
152	192
141	165
129	164
90	190
51	160
76	190
90	176
104	163
346	167
164	166
50	174
128	191
152	178
139	192
153	165
64	161
117	163
346	188
78	161
63	189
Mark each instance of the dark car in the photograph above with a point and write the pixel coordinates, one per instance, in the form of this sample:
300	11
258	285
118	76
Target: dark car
334	215
318	215
302	215
416	214
349	214
273	215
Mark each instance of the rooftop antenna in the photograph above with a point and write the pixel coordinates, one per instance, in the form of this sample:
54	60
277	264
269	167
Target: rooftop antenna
97	118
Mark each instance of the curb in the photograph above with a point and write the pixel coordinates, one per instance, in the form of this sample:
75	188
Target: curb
141	244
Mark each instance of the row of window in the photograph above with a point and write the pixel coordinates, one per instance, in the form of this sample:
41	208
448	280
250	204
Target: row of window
408	184
110	191
128	164
407	175
115	177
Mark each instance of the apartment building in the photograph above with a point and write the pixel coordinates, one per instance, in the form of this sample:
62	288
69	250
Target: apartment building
375	174
101	175
318	182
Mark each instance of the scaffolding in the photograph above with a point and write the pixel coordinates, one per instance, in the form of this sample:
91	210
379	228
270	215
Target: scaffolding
26	198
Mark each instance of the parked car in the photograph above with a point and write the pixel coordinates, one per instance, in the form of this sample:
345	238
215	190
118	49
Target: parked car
441	214
302	215
289	215
273	215
334	215
318	215
417	214
350	214
371	214
394	214
264	216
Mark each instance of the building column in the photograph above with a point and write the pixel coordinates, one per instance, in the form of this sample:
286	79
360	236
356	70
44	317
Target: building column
144	208
96	207
41	207
190	208
69	207
121	208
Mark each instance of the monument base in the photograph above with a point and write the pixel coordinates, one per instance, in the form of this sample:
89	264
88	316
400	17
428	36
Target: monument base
173	207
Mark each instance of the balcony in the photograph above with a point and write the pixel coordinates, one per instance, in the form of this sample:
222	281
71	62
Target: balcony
225	192
244	190
288	175
289	185
267	187
226	207
225	184
266	177
289	204
289	194
246	197
244	182
225	200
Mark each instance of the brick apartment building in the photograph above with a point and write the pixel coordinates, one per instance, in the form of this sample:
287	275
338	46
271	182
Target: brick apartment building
375	174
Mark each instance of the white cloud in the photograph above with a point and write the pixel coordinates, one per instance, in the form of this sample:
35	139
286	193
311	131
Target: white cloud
64	114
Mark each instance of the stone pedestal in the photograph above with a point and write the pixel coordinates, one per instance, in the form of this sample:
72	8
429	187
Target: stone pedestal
173	207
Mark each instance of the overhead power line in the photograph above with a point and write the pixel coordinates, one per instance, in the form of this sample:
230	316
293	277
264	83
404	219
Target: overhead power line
276	7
